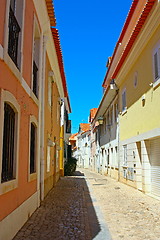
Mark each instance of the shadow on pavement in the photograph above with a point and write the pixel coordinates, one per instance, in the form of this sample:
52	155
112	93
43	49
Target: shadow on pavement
66	213
78	173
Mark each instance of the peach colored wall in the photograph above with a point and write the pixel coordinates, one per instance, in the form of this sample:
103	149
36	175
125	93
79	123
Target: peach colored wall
12	199
2	20
52	127
28	41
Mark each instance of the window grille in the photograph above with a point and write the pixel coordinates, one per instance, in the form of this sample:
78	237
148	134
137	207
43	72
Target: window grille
33	149
14	30
8	144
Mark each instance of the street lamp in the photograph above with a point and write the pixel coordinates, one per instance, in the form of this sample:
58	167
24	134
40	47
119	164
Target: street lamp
100	120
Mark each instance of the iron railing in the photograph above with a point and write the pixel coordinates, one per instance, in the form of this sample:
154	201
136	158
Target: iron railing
14	30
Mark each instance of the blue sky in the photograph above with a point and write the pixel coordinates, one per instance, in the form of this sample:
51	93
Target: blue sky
88	32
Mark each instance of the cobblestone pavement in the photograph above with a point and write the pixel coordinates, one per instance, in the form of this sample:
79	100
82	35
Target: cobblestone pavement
72	211
129	214
67	213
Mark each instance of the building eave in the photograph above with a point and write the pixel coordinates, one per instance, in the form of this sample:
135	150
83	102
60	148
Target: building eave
51	13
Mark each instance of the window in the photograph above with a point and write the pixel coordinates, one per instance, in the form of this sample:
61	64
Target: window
116	111
116	156
36	58
125	155
156	63
32	148
15	31
124	107
111	115
9	146
8	152
50	91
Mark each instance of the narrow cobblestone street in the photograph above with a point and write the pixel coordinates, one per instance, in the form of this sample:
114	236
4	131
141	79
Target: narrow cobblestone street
85	206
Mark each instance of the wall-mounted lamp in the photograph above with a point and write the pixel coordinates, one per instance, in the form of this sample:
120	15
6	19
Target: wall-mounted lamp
113	85
100	120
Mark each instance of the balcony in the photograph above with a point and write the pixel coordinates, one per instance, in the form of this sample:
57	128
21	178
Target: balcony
14	30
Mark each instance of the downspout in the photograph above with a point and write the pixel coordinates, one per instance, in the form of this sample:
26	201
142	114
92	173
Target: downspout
39	122
42	119
62	139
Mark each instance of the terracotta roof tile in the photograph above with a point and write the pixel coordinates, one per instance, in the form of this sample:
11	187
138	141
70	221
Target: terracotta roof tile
92	113
51	13
85	127
72	137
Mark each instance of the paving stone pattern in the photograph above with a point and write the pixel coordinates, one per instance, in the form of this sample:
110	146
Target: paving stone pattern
68	212
62	215
129	214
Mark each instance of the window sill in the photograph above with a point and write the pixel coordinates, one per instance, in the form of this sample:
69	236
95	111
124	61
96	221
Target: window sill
125	167
156	84
12	66
32	177
124	111
34	98
8	186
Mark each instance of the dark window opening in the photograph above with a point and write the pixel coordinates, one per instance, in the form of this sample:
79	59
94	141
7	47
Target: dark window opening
33	149
8	144
35	79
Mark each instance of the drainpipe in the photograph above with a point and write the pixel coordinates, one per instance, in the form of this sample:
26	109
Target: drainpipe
42	103
39	122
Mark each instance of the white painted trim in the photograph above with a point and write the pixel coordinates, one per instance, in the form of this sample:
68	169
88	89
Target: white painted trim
156	84
6	96
12	66
42	74
25	86
1	52
10	225
156	49
7	58
33	176
34	98
144	136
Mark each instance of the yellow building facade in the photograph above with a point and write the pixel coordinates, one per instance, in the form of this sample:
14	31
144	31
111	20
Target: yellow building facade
138	81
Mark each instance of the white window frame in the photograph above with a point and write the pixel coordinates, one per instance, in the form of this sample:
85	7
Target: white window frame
124	105
36	34
6	96
125	162
17	71
50	91
33	176
156	50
